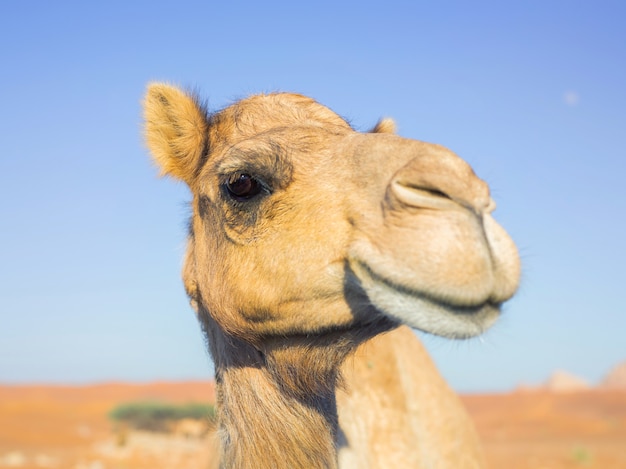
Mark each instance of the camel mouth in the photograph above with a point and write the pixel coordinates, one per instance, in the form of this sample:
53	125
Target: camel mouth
427	313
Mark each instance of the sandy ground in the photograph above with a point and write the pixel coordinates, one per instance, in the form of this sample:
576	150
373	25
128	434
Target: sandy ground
68	427
544	430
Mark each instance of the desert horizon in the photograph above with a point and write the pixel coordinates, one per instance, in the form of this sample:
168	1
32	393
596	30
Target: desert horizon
69	426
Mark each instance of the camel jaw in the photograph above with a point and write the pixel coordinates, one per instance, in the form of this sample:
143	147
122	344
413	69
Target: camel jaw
426	313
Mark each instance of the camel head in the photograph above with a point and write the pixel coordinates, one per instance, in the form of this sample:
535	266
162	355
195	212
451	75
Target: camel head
301	225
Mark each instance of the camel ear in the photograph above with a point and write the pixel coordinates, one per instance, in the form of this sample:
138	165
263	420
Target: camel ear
176	130
384	126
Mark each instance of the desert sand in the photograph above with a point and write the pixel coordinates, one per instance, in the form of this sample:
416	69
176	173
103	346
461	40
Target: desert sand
68	427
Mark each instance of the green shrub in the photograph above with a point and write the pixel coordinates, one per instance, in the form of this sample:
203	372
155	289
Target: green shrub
159	416
581	456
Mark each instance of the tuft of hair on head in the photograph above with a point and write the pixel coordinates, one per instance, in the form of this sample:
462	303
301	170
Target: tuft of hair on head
176	130
386	125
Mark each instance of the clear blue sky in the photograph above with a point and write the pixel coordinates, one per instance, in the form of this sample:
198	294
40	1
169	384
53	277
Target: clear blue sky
532	94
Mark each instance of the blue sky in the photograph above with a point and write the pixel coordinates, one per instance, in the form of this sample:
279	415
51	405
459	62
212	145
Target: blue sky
532	94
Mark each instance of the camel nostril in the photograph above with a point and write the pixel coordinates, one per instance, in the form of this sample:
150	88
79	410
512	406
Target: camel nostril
422	197
434	192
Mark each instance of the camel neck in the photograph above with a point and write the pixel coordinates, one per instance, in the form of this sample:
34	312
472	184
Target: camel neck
262	426
276	400
270	414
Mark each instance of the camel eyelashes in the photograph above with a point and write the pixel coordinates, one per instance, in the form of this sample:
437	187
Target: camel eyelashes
243	186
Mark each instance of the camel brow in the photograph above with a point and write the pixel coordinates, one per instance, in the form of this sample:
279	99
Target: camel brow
268	160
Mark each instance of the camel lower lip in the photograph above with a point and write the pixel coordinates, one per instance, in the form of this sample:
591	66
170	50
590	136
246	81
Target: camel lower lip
423	312
435	317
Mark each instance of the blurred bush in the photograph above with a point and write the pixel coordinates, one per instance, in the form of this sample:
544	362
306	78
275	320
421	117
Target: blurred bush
160	416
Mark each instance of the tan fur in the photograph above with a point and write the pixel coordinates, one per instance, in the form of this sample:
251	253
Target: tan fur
397	411
384	126
300	288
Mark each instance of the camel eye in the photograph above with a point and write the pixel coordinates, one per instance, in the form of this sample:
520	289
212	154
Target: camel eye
243	186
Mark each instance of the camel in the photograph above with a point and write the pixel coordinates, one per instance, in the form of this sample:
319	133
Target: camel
312	250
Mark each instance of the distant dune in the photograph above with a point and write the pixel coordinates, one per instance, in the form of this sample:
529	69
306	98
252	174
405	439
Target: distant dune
563	382
616	378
